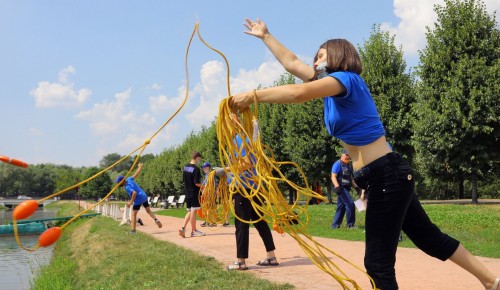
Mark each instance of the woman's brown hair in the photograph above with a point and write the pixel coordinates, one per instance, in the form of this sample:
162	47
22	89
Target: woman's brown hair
341	56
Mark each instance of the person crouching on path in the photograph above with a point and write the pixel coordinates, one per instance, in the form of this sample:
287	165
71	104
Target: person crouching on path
137	197
191	176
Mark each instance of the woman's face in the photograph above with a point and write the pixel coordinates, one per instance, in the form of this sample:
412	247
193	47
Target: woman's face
322	57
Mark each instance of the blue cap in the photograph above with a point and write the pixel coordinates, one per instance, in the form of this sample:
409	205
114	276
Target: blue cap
344	151
206	164
119	178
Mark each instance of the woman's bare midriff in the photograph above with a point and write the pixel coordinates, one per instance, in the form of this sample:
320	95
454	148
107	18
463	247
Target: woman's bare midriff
364	155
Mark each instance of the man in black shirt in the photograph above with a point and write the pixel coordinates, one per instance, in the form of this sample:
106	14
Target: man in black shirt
191	176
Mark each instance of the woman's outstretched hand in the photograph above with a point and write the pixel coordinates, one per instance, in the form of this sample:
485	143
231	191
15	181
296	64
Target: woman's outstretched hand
256	28
240	101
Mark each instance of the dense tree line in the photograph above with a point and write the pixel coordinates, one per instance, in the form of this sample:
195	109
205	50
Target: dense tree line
443	117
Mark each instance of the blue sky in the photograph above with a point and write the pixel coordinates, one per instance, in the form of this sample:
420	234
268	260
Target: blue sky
82	79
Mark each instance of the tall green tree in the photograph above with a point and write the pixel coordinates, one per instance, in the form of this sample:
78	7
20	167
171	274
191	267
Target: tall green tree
42	179
297	133
457	127
392	87
307	141
272	121
67	176
97	187
111	158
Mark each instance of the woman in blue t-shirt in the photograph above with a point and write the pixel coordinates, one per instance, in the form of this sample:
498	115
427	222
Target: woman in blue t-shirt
351	115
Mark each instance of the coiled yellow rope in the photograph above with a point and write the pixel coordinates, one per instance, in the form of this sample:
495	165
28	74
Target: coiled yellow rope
215	200
273	208
261	174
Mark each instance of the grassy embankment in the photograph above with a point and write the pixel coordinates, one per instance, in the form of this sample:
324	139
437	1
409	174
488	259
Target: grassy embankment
97	254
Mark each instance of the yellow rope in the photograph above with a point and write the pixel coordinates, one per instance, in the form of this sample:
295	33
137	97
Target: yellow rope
256	175
262	184
214	200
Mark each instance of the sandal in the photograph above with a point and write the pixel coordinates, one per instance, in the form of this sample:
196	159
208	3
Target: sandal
495	284
268	262
237	266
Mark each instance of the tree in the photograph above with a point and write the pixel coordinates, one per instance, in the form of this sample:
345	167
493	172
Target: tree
392	88
112	158
307	142
97	187
67	176
457	127
297	133
42	179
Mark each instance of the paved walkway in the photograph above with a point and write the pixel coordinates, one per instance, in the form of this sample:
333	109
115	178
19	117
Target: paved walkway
414	269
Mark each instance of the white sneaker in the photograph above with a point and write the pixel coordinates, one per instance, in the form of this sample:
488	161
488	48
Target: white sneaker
197	233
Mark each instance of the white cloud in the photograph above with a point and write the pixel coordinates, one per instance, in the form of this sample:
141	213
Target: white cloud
123	129
162	103
156	86
213	88
414	17
36	132
134	140
111	117
60	94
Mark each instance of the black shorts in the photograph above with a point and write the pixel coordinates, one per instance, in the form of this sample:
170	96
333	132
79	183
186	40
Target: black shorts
192	203
138	207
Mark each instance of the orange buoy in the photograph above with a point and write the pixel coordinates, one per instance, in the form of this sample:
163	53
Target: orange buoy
13	161
200	213
25	209
49	237
278	229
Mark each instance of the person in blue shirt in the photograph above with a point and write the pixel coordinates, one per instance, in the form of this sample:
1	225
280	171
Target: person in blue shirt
350	115
342	182
137	197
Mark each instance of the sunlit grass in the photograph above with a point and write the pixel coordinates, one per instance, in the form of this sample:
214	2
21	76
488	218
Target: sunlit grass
98	254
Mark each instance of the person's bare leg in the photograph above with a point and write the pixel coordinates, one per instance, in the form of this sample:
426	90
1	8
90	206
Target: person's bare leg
134	219
271	254
193	220
463	258
186	219
151	214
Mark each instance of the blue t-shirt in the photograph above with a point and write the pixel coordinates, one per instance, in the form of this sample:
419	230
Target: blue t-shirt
132	186
343	172
352	117
247	175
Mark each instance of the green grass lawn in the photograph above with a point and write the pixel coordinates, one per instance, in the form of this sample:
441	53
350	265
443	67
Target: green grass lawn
475	226
95	253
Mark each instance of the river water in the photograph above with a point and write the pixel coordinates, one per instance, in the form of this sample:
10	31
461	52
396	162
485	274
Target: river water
18	267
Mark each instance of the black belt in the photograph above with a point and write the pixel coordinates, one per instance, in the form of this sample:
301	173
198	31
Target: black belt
376	165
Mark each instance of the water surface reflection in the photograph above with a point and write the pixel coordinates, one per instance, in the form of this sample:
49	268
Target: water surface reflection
17	266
